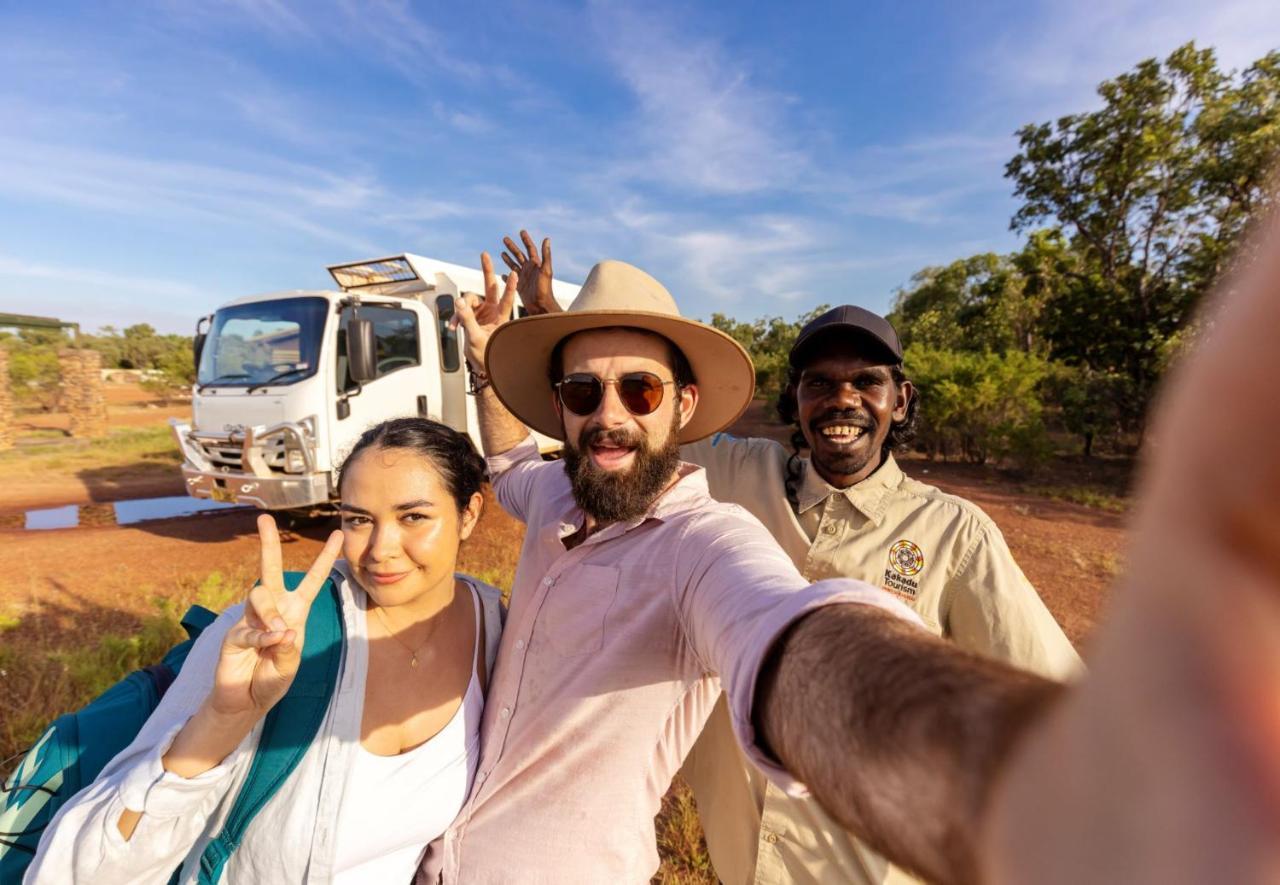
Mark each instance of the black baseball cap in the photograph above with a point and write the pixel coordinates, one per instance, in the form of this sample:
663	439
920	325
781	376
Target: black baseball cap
861	327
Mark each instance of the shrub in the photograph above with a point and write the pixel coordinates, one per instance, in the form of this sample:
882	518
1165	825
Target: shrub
980	406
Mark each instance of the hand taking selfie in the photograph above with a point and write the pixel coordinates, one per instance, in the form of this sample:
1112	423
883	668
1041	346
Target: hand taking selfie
1164	767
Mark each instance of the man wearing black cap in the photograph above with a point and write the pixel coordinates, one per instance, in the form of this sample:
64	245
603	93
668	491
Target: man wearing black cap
848	510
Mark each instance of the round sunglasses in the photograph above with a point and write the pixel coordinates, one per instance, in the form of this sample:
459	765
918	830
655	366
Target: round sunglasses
640	392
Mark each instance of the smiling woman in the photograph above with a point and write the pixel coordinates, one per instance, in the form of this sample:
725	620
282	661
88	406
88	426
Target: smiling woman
403	748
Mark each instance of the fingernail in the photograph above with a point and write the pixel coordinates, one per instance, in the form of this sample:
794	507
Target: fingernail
278	625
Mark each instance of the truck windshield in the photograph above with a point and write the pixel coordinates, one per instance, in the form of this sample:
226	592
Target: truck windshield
266	341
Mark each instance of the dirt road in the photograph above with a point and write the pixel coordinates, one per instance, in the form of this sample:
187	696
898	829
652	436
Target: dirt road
112	573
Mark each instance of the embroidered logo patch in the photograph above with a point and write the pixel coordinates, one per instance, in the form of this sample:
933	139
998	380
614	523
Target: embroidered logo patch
906	558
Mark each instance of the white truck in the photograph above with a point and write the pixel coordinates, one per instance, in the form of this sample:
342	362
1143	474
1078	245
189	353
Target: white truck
286	382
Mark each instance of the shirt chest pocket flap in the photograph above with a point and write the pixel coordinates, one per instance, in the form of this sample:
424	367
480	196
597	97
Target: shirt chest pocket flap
574	611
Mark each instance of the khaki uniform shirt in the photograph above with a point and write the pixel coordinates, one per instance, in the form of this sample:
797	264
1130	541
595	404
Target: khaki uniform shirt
938	553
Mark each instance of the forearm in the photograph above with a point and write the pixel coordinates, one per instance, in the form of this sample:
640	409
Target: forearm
201	745
500	431
207	739
898	735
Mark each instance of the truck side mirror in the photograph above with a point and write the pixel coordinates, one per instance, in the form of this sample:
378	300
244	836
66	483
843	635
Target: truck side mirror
362	351
202	335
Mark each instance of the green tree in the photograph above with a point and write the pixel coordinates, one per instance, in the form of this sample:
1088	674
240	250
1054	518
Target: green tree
768	341
33	366
1150	191
1238	131
978	303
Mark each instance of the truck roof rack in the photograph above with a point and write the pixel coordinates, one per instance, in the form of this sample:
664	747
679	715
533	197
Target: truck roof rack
408	276
390	276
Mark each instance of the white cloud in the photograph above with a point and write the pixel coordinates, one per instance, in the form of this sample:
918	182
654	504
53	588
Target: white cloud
700	121
293	196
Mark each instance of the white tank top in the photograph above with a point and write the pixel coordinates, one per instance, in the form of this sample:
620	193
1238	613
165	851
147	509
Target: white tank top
393	806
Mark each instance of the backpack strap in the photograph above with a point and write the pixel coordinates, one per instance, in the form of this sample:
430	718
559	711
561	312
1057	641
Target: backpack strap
289	728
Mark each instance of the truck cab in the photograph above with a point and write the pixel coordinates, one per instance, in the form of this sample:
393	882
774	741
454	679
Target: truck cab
286	382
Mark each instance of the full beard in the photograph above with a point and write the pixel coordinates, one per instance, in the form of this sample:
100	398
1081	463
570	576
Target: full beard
610	496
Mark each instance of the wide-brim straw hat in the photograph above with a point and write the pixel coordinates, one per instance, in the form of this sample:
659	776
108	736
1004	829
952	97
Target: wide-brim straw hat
618	295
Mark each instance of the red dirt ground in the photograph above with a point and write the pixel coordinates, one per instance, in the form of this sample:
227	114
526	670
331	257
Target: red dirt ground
1071	553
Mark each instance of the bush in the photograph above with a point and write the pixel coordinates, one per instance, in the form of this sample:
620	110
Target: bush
980	406
33	367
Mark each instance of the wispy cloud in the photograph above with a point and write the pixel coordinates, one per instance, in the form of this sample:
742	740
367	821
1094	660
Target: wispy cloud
700	120
289	195
1070	48
12	266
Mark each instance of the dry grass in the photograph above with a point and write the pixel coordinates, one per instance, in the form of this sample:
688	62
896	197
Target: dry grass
680	841
48	453
47	669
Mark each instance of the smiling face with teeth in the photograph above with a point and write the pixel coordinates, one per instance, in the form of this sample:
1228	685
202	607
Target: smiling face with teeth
619	462
846	405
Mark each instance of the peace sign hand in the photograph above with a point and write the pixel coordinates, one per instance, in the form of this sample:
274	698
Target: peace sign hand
261	652
480	316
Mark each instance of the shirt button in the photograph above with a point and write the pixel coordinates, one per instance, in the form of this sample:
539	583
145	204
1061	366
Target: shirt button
519	645
547	582
829	528
771	838
506	712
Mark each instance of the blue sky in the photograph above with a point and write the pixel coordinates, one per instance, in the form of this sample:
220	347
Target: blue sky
159	157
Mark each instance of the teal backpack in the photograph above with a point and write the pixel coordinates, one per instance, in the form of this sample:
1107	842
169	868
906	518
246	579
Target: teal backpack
77	746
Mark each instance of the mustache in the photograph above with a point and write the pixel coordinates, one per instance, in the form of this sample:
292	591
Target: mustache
838	416
618	436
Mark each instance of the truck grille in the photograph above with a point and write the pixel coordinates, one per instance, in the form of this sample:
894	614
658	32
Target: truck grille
230	457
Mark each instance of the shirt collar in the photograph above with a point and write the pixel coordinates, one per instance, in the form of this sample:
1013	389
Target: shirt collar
689	488
869	497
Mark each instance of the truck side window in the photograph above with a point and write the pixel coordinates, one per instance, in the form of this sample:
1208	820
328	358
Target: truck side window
449	358
396	332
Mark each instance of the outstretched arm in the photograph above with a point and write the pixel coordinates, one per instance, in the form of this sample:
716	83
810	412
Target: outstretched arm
1165	761
896	733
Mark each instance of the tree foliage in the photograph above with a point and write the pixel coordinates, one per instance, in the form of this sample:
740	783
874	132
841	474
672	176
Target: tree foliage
166	360
1147	194
1145	198
979	404
769	342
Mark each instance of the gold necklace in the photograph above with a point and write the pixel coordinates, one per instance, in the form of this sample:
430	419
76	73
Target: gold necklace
413	652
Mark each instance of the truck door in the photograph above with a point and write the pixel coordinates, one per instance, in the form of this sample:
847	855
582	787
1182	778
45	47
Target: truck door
406	382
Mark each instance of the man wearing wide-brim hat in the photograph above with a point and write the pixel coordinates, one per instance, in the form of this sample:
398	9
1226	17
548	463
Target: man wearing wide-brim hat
638	597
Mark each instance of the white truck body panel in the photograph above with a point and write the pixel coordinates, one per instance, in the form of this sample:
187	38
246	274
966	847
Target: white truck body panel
278	444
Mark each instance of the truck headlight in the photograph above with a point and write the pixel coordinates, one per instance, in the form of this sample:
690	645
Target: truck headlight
294	462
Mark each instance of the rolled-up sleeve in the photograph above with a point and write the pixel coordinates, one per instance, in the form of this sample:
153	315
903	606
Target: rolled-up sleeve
737	592
513	475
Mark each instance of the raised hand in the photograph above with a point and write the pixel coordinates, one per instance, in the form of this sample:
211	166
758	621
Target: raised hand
534	272
480	316
261	652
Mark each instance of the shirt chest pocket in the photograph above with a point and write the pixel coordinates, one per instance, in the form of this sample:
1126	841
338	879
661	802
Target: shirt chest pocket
573	614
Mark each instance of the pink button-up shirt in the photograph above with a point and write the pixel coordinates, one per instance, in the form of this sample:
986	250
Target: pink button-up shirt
608	669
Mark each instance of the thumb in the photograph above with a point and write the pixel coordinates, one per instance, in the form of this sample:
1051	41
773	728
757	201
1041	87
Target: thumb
464	315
